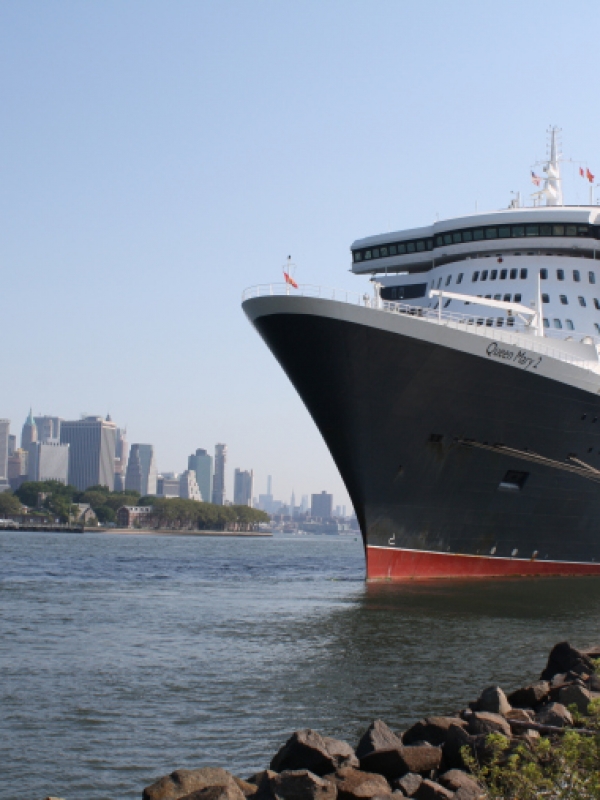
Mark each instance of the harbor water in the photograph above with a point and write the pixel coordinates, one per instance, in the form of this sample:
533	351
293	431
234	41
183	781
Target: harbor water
125	657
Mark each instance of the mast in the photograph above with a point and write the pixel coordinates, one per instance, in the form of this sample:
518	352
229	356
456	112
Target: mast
553	183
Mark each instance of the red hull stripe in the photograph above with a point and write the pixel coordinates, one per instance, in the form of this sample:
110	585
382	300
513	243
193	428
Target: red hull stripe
394	564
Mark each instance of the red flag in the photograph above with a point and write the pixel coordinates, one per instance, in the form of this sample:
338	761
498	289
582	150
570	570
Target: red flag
589	176
581	172
290	280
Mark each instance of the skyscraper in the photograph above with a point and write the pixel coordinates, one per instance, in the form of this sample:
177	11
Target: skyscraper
218	495
321	505
242	487
48	428
91	452
48	461
4	434
188	487
29	432
202	464
141	472
121	454
12	443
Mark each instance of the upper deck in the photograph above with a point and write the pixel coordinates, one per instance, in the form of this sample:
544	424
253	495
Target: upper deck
557	229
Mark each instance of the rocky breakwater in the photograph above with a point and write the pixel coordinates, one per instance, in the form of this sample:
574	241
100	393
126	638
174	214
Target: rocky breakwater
500	746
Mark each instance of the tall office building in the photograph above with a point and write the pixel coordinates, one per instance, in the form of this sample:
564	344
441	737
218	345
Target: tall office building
48	461
242	487
29	432
202	464
265	501
218	493
321	505
141	472
48	429
4	434
121	454
12	443
188	487
167	485
91	443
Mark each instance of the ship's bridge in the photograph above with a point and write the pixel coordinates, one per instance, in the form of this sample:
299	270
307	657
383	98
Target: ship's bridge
556	230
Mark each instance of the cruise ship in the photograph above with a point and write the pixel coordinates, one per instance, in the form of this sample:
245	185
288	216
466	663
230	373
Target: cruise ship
460	396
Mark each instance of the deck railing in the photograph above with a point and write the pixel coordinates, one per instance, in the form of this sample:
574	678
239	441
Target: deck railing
496	328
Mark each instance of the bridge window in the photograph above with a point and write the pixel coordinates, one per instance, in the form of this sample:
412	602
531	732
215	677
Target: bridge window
592	277
560	274
384	252
576	275
571	230
420	246
532	230
523	274
376	253
493	274
367	255
467	236
456	238
563	300
475	276
484	275
410	247
401	249
513	274
517	231
569	324
545	298
544	274
558	230
557	323
503	274
504	233
582	301
491	233
545	230
477	234
393	250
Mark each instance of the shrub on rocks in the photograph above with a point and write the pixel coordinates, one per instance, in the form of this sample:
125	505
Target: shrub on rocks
431	729
493	700
301	784
182	782
307	749
554	714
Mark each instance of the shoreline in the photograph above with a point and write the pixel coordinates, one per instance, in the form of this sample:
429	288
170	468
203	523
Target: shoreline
168	532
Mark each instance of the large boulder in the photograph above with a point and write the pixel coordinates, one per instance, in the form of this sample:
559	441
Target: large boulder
301	784
564	658
394	763
408	784
227	792
353	784
493	700
455	779
575	695
519	715
185	781
530	696
431	729
377	737
307	749
486	722
455	741
554	714
430	790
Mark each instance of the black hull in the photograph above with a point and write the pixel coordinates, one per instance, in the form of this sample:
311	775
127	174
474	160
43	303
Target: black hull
414	429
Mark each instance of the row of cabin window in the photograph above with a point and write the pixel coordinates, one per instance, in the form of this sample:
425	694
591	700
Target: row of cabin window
505	298
504	273
556	323
560	274
499	323
565	302
475	235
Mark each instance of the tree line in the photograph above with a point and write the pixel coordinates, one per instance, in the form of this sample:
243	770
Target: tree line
61	501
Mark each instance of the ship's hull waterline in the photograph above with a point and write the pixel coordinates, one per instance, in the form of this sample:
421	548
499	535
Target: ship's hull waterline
459	462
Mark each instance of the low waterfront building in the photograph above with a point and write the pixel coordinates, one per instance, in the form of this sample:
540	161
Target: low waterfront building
134	516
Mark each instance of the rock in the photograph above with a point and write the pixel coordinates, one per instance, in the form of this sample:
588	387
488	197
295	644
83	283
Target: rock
469	794
431	729
430	790
493	700
575	695
408	784
454	779
554	714
301	784
353	784
457	739
258	777
559	680
530	735
307	749
520	714
227	792
247	788
564	658
377	737
185	781
395	763
530	696
486	722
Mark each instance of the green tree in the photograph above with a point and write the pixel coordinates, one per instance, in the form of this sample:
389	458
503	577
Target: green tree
9	504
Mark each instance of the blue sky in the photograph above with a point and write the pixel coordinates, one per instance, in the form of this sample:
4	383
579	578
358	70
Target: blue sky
158	157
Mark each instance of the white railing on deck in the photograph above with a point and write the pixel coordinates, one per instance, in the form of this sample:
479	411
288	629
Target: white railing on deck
476	324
